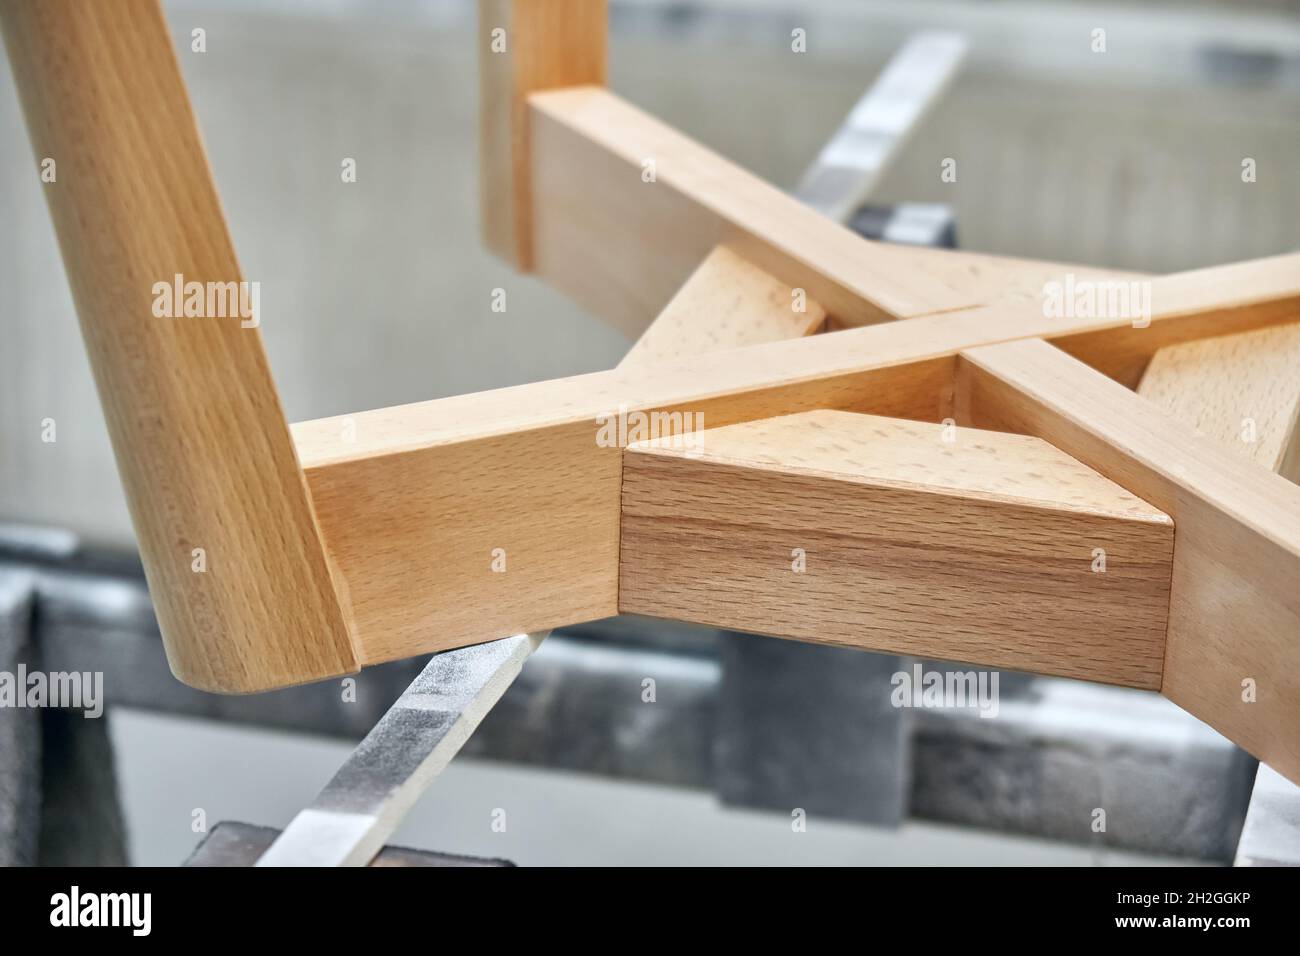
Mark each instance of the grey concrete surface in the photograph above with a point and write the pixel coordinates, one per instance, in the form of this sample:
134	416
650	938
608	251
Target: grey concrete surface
20	731
172	767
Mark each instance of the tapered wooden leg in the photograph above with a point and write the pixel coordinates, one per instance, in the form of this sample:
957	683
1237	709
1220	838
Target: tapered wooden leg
244	592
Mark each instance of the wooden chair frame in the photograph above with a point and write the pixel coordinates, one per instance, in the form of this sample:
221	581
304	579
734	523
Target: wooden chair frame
334	544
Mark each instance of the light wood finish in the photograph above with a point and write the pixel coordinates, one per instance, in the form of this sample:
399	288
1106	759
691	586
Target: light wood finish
622	247
980	549
197	428
1215	385
319	834
1187	306
1241	390
530	479
1235	605
435	486
412	501
414	507
972	464
728	302
547	44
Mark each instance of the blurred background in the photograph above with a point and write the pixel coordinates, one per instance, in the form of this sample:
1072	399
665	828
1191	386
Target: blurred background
375	294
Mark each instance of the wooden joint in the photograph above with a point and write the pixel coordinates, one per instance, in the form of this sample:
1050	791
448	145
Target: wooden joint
899	536
1232	657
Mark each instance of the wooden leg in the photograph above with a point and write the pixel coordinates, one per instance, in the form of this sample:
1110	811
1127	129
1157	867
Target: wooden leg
525	46
245	595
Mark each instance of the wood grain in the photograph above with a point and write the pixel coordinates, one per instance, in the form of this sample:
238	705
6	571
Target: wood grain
1243	391
413	507
957	544
197	427
622	246
1235	602
435	488
413	499
1187	306
728	302
547	44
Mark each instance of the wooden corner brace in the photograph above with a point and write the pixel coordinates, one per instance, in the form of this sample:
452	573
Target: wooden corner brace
899	536
374	536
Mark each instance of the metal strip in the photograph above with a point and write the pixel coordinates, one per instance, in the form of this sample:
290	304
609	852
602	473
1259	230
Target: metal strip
849	166
356	813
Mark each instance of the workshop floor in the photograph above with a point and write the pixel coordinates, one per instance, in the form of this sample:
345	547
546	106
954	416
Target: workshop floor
170	767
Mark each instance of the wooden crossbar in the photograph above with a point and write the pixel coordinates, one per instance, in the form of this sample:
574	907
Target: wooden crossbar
590	151
387	507
383	534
